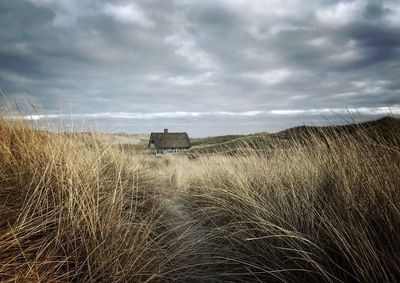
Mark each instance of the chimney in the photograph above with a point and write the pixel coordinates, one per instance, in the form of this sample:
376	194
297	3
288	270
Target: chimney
165	131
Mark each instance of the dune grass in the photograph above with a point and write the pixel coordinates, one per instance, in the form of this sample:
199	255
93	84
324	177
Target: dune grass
327	212
76	209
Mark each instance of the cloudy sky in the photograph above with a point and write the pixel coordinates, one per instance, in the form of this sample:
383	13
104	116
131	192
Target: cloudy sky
207	67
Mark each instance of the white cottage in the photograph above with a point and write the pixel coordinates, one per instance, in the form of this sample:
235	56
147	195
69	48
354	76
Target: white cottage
168	143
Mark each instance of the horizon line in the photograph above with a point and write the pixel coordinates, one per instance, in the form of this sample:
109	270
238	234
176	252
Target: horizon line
378	110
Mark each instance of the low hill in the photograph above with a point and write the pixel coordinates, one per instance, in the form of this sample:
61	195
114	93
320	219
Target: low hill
213	140
384	129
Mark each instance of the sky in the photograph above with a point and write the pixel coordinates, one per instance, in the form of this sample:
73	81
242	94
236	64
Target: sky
207	67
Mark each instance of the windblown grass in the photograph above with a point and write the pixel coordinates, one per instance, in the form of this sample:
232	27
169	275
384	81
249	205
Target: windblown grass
75	210
321	209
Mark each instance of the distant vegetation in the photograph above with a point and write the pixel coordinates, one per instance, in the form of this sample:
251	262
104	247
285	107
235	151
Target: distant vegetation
380	130
214	140
304	205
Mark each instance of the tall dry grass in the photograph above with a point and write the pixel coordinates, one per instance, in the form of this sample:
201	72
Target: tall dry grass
75	209
322	210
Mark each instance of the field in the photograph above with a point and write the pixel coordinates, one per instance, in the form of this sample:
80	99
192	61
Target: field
304	205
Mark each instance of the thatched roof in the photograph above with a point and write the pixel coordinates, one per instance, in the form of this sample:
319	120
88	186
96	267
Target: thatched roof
170	140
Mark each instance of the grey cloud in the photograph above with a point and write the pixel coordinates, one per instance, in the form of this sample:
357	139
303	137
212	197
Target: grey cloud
200	56
380	44
21	64
375	11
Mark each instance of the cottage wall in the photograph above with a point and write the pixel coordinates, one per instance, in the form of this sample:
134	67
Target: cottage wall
166	151
152	149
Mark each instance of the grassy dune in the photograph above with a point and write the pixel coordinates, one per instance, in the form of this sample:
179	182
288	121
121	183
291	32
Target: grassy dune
321	208
208	141
382	130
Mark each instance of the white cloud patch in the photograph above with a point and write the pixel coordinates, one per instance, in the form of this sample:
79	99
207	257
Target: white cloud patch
342	13
190	80
270	77
379	110
186	47
129	14
393	18
371	87
262	8
384	110
347	53
139	116
346	56
347	94
277	29
184	80
319	42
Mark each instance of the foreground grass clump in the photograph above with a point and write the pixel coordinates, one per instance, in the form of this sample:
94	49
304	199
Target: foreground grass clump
77	210
317	206
326	210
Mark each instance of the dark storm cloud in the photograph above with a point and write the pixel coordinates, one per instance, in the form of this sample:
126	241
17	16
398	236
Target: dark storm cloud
23	65
283	62
379	43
